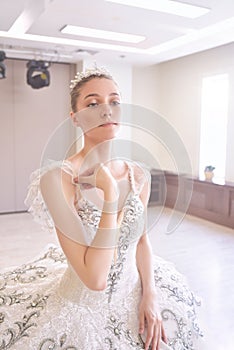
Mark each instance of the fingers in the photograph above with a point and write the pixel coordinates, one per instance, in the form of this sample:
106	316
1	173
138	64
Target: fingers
89	176
164	337
141	323
155	332
150	330
90	180
156	338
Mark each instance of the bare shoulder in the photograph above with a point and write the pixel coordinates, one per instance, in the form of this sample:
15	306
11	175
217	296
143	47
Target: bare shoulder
75	162
58	180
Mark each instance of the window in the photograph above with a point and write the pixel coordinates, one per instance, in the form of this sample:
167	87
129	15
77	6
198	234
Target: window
214	111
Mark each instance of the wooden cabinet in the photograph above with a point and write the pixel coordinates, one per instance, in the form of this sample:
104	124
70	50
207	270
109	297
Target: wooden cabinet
208	200
157	195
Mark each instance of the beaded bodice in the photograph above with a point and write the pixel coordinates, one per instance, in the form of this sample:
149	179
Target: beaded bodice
123	267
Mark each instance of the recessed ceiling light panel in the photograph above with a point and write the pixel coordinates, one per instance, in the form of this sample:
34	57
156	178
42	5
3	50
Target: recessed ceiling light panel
102	34
167	6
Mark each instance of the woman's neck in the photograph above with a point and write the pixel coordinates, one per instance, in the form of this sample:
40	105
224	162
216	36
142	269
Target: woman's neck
96	153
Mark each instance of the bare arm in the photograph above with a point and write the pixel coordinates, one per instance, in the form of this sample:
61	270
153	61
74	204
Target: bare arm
145	265
144	251
91	263
149	313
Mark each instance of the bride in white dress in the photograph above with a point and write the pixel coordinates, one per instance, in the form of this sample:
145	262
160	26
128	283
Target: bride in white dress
102	289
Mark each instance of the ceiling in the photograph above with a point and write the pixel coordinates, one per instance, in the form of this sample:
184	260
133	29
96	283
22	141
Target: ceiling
167	36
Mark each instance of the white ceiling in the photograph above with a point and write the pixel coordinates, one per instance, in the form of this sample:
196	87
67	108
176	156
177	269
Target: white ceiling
167	36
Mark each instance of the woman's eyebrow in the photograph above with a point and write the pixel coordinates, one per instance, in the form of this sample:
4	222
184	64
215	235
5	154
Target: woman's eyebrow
115	94
97	95
91	95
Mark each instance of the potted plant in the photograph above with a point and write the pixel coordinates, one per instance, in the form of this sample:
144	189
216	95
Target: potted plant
209	172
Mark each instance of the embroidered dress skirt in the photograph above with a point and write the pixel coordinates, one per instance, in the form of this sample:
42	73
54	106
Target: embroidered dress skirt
44	306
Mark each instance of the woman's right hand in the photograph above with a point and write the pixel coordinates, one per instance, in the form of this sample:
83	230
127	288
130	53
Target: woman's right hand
100	176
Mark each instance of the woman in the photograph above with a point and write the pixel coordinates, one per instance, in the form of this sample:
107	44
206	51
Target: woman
109	292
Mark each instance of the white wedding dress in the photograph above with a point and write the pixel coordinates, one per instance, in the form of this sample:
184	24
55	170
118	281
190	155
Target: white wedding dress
45	306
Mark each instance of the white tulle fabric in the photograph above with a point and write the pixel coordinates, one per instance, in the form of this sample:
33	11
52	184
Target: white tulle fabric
44	305
34	200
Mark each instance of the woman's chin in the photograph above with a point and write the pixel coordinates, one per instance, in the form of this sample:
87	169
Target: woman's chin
103	133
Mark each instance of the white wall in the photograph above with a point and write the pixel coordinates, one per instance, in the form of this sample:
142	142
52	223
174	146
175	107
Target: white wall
28	119
175	92
146	87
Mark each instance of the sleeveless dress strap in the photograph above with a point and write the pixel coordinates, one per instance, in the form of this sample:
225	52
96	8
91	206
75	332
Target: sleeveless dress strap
137	181
68	168
131	177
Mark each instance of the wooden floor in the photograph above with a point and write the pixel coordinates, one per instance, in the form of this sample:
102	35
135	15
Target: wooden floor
203	251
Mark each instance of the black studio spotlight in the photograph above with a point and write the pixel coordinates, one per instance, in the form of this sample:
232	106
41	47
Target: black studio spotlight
2	65
38	75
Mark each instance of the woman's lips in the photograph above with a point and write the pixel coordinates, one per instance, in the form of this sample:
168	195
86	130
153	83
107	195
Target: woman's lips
106	125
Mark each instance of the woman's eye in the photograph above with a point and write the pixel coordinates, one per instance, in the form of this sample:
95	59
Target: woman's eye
115	103
93	104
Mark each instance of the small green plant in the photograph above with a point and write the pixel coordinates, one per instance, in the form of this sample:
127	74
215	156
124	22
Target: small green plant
209	168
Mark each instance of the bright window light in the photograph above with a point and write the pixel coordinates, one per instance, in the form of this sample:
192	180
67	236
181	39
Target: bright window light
102	34
166	6
214	117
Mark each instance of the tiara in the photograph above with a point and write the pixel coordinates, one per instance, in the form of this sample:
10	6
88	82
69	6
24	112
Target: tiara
97	71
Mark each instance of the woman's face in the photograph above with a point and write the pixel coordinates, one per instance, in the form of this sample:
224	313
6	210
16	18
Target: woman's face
98	107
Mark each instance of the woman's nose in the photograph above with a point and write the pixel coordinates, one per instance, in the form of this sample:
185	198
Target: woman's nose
106	111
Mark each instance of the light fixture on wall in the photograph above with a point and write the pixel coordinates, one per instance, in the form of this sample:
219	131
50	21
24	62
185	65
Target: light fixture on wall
2	65
38	75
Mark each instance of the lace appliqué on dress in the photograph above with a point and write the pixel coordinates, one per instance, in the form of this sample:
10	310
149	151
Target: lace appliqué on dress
14	294
90	217
133	218
183	301
118	329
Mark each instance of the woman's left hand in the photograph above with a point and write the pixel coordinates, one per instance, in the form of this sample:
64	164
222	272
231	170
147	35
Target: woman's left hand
150	321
